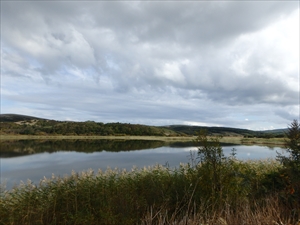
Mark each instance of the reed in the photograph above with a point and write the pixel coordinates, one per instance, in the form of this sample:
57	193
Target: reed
252	192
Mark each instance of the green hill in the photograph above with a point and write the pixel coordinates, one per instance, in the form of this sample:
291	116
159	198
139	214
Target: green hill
17	118
14	124
21	124
225	131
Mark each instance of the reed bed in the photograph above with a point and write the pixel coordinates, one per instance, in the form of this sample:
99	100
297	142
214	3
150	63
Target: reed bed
251	192
264	141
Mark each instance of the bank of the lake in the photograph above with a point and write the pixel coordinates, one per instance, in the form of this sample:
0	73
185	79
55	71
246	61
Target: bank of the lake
225	139
111	137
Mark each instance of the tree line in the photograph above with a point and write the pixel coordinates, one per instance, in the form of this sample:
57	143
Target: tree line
52	127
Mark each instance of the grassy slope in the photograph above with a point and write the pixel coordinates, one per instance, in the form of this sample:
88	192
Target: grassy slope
17	118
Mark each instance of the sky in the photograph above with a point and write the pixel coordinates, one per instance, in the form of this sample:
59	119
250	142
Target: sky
208	63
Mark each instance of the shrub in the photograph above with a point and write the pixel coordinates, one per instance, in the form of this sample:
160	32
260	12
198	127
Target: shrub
223	180
291	166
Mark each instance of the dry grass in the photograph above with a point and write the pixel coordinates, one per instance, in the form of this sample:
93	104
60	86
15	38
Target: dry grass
245	214
264	141
228	139
58	137
27	122
155	195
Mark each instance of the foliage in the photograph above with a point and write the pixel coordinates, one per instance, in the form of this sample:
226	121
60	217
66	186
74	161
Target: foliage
293	147
52	127
218	190
212	159
222	178
140	195
226	131
291	164
21	124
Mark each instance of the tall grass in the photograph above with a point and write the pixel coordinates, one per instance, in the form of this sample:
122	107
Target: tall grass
251	192
216	190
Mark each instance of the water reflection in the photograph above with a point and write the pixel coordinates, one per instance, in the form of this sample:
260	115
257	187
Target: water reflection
34	159
27	147
12	148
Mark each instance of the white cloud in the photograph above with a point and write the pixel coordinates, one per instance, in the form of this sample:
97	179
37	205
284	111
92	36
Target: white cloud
152	62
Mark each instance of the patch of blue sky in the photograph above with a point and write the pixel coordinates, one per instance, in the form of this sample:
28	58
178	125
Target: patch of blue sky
73	72
33	62
111	63
5	105
21	56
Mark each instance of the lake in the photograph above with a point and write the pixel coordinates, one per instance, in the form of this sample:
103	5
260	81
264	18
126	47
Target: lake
34	159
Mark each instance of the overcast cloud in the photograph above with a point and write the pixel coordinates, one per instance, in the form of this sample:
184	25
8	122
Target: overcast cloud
218	63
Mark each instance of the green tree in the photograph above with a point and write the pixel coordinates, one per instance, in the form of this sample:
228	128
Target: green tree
291	164
220	176
211	155
291	161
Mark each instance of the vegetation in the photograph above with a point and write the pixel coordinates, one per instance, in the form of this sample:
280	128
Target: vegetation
227	131
146	196
52	127
17	118
12	124
211	189
263	141
291	163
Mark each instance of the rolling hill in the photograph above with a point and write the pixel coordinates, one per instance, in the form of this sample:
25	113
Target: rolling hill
17	118
23	124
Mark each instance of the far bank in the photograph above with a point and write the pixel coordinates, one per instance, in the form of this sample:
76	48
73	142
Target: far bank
225	139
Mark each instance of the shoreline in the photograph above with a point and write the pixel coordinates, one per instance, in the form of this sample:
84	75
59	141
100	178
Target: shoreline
72	137
226	139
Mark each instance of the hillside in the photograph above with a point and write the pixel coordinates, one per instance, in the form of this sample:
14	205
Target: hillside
14	124
17	118
225	131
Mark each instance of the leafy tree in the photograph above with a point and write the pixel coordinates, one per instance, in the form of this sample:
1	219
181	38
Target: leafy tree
291	164
211	155
292	143
220	176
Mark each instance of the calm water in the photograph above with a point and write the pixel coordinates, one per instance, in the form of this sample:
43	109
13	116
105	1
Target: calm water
28	159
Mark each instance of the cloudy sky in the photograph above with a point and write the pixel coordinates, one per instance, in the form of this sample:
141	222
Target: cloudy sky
217	63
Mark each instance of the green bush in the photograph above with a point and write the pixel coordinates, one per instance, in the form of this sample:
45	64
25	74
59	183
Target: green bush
291	167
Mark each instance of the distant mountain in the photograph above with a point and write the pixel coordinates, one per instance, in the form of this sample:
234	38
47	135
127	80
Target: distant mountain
227	131
275	131
17	118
